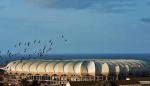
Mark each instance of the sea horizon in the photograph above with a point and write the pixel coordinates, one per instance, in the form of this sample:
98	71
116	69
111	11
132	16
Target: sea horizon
145	57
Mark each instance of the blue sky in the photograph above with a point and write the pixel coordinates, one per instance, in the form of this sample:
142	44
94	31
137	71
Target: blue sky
90	26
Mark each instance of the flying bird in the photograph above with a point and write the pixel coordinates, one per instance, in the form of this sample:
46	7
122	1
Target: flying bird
28	44
29	56
34	41
15	55
44	48
39	41
25	50
8	52
41	54
43	51
66	40
50	41
35	52
19	43
50	49
62	36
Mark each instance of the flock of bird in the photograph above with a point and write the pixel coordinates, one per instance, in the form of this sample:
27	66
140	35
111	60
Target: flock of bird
26	46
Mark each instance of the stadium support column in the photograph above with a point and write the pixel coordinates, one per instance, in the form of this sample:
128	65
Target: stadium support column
117	77
94	77
106	77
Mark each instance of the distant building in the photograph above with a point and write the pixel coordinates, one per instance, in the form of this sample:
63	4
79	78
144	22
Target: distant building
111	83
104	83
62	71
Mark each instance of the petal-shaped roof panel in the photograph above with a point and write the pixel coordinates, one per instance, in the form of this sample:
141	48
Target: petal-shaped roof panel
59	67
34	66
42	67
69	67
84	68
20	66
91	68
77	68
105	69
50	67
26	66
13	67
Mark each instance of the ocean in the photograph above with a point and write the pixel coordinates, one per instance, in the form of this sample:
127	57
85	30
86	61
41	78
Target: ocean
144	57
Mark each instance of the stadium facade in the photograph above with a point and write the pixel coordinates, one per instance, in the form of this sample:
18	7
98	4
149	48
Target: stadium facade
76	70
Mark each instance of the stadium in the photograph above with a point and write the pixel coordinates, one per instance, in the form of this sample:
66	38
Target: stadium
76	70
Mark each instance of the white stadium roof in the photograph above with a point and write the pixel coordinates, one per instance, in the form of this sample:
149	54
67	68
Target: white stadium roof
76	67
